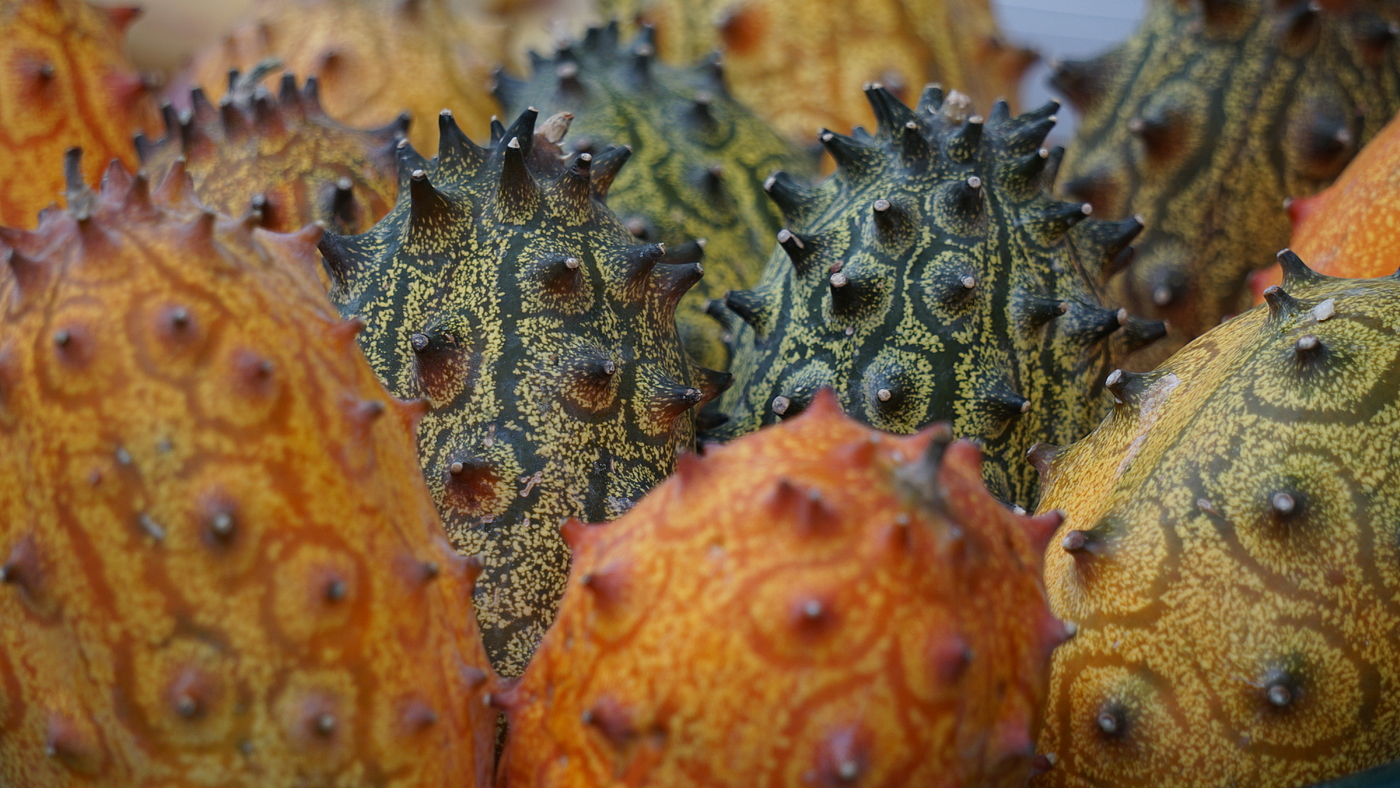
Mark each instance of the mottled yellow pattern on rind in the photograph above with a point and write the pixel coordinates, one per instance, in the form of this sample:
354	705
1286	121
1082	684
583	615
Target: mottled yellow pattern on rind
64	82
1195	594
374	59
699	160
515	371
1253	115
939	350
284	151
221	566
816	604
798	63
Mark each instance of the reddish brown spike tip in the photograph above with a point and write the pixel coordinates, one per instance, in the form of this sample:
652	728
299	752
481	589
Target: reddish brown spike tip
824	405
608	585
689	467
1042	527
122	16
344	332
412	410
1042	456
574	531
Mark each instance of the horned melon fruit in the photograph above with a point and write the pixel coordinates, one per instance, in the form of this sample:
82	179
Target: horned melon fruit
542	334
816	604
933	278
219	565
794	62
1352	228
281	157
1203	121
699	159
64	82
1231	554
374	58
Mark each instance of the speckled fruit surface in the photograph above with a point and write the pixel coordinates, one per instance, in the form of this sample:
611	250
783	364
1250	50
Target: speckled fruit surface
1231	555
816	604
64	82
219	565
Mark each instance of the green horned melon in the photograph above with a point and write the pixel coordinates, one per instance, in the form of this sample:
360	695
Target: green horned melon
1205	121
1231	554
542	334
932	278
699	158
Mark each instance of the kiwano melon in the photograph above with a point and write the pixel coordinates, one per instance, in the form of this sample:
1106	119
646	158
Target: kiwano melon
815	604
543	336
219	565
1204	120
1231	554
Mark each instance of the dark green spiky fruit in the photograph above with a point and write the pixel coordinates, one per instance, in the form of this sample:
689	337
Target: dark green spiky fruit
281	157
1205	120
931	278
699	159
542	334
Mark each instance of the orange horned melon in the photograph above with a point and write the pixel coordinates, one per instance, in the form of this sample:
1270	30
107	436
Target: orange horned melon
815	604
220	564
64	82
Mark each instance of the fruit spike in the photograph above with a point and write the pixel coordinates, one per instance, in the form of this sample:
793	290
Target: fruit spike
940	285
1347	229
280	156
701	160
543	337
782	59
218	561
815	604
65	82
1230	554
1204	121
374	59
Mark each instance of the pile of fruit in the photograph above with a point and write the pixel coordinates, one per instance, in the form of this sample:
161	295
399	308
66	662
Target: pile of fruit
383	403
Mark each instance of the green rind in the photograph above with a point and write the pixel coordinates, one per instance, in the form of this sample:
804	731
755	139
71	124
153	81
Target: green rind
554	389
1016	359
699	159
1209	117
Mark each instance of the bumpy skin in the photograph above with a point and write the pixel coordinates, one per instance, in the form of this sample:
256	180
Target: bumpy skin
1205	120
220	565
795	63
502	290
374	58
281	157
699	159
932	278
1351	228
817	604
1231	555
64	82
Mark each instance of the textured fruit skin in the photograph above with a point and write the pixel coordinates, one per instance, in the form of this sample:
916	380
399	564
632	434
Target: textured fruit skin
1352	228
374	59
282	157
502	290
699	159
64	82
1204	121
933	278
1231	555
220	565
815	604
795	64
